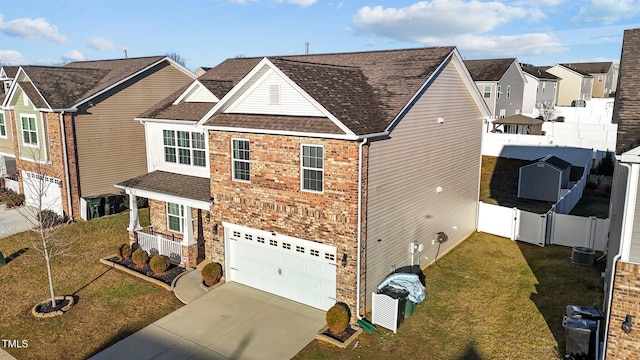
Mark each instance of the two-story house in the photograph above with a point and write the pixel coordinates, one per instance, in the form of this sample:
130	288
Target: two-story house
604	77
540	89
573	85
501	82
622	276
72	129
312	177
7	157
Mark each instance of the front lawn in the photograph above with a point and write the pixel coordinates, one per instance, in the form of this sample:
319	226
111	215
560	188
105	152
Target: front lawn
111	305
489	298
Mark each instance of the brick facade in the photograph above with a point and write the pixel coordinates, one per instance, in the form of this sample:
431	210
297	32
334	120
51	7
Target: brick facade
626	292
274	201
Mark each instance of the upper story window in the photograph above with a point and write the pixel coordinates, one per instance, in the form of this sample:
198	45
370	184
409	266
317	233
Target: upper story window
7	85
175	217
3	126
600	78
241	159
29	130
499	91
508	92
487	91
543	86
312	167
183	147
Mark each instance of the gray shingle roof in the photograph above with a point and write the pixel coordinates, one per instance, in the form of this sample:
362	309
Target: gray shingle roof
571	67
184	186
538	72
555	161
275	122
592	67
488	69
627	104
11	71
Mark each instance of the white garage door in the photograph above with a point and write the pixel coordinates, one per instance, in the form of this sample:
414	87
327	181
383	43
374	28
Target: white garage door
42	192
300	270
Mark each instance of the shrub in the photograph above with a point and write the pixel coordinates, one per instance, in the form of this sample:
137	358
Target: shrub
211	273
140	257
560	119
11	198
159	264
123	251
49	218
606	165
338	318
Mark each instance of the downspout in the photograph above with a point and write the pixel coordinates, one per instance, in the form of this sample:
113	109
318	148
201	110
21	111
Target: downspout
359	262
66	164
616	258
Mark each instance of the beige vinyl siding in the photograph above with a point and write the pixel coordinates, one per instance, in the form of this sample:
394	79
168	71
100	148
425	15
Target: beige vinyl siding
28	152
6	142
569	87
406	170
289	100
634	251
110	143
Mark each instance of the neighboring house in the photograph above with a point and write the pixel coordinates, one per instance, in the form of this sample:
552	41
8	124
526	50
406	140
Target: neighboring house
7	156
73	129
544	179
574	84
540	89
622	276
501	83
311	176
604	77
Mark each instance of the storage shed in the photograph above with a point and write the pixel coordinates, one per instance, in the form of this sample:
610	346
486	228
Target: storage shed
544	179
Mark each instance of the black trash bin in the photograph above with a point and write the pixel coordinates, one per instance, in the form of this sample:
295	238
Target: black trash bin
2	262
580	337
399	294
584	312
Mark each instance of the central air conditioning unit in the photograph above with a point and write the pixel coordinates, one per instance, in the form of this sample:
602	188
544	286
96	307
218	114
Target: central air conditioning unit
583	256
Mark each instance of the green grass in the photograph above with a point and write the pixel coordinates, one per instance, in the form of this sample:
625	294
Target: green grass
490	298
111	304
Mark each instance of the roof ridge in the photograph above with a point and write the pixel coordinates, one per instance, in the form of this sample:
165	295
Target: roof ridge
118	59
353	67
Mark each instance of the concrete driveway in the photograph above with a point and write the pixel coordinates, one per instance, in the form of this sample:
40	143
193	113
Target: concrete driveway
13	221
231	322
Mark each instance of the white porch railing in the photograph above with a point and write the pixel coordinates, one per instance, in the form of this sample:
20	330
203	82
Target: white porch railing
157	244
12	183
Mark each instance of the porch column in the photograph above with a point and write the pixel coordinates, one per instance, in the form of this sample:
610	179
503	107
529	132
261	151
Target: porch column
189	245
134	221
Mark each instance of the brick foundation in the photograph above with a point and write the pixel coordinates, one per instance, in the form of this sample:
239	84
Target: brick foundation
626	292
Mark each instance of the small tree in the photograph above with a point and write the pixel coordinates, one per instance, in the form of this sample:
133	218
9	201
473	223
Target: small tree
177	58
546	110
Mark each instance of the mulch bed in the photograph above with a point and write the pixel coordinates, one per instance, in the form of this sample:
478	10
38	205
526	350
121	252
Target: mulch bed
47	308
342	337
166	277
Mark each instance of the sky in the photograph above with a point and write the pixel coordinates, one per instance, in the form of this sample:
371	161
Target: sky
206	32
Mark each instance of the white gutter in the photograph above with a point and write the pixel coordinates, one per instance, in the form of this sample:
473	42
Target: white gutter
66	164
359	262
610	297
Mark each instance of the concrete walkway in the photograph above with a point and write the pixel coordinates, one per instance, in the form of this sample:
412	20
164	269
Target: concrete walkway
5	355
231	322
187	287
13	221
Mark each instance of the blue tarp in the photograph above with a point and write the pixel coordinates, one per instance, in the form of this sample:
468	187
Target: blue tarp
408	282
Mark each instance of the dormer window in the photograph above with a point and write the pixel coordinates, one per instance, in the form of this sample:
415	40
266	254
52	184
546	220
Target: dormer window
7	85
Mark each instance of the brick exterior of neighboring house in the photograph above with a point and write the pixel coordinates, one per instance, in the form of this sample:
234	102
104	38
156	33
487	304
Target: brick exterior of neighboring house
625	300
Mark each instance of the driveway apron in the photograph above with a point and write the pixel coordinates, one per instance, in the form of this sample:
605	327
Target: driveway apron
231	322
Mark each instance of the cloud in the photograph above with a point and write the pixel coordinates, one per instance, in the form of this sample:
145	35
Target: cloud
607	11
11	57
73	55
100	43
509	46
303	3
32	29
426	21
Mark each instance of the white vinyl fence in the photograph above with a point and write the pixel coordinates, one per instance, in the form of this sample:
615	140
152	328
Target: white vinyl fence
589	232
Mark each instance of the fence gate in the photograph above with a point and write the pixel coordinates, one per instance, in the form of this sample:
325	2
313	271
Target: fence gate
531	228
569	230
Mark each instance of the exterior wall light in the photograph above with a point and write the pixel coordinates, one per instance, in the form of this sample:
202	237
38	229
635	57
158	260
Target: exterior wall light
627	325
344	259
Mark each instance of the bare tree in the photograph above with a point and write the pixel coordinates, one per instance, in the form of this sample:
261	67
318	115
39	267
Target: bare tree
41	211
546	110
177	58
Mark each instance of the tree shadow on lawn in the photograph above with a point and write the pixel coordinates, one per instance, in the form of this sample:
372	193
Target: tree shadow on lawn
561	283
15	255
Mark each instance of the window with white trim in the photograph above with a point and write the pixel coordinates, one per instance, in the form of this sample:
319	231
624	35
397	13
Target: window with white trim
175	217
508	91
600	78
3	126
499	92
183	147
241	160
29	130
487	91
312	167
543	86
